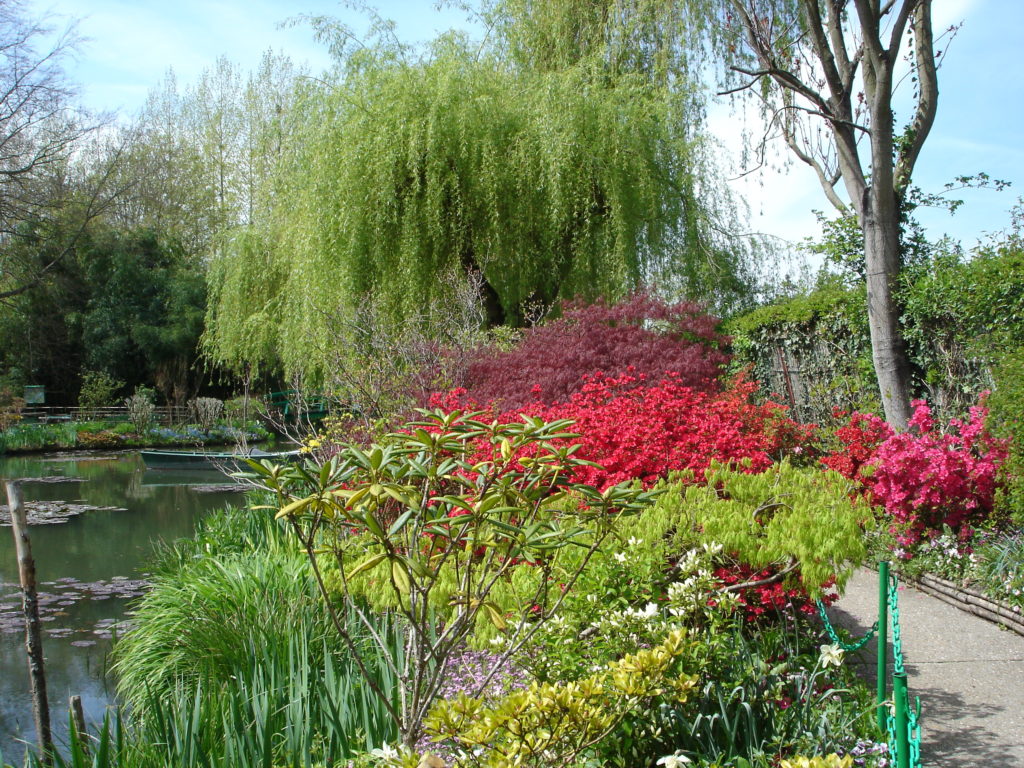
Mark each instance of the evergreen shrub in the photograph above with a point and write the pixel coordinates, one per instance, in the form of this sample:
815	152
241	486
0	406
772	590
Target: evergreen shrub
1006	420
925	479
635	429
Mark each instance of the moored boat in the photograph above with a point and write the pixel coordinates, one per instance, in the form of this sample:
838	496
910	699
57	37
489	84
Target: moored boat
209	460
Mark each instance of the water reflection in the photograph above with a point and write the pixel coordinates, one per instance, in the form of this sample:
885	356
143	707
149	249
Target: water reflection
85	567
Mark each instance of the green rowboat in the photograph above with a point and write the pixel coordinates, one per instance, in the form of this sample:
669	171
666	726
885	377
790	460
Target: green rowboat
209	460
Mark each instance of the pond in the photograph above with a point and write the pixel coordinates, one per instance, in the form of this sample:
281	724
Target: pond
89	568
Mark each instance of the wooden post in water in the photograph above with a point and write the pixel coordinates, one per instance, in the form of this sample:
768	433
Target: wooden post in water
78	722
30	604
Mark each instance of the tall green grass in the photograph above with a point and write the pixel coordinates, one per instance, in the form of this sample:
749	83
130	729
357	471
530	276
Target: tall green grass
38	437
280	712
234	663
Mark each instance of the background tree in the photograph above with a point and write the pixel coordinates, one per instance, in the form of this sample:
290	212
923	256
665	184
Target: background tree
40	323
826	72
198	157
47	195
545	184
144	316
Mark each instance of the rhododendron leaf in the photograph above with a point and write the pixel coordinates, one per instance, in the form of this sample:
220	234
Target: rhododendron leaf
400	496
356	497
372	524
401	521
358	456
455	501
421	435
294	507
375	458
367	564
400	575
506	527
497	511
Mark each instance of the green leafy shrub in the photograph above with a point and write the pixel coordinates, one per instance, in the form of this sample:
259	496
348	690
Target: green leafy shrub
553	724
1006	420
97	390
433	519
663	566
663	571
805	522
11	407
239	410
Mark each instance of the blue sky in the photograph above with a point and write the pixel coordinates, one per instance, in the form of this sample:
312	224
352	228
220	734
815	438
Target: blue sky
133	43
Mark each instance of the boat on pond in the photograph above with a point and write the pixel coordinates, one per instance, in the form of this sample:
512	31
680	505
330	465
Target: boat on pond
210	460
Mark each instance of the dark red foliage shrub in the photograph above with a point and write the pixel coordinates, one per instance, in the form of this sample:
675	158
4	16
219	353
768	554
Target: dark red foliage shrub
641	336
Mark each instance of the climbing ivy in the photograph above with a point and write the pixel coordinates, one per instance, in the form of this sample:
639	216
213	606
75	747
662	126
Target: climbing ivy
961	314
820	342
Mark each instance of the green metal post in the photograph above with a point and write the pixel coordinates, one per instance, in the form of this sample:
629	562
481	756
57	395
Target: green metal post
902	706
883	641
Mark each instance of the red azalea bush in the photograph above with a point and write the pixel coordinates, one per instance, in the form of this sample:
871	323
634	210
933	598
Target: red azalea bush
641	335
635	429
924	479
765	601
860	438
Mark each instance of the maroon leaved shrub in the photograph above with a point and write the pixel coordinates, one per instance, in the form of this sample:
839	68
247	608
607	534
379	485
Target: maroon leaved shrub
641	336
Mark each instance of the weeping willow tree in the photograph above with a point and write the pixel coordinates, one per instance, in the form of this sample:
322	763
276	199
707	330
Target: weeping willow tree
537	183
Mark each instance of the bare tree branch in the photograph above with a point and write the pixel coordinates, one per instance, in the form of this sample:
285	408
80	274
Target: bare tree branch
927	100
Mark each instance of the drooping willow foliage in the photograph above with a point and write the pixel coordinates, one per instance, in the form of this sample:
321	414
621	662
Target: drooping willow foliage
403	176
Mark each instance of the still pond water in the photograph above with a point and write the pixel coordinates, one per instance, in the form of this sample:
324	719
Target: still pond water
89	570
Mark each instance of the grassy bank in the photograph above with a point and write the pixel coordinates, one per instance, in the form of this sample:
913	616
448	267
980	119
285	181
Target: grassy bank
92	435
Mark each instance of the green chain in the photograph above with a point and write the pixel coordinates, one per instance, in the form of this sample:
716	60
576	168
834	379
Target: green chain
848	647
913	715
915	735
894	611
890	727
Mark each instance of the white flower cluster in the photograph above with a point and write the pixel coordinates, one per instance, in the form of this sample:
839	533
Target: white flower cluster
684	598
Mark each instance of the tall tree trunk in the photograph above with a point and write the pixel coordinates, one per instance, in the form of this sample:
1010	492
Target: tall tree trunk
881	228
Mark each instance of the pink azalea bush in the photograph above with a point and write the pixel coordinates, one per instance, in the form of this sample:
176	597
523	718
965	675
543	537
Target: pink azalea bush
925	478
